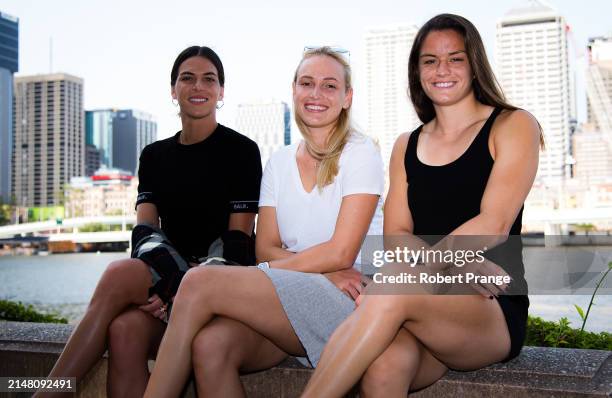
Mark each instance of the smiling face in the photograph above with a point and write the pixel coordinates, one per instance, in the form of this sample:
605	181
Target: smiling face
444	68
320	92
197	88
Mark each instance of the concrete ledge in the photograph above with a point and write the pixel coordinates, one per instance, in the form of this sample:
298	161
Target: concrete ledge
30	349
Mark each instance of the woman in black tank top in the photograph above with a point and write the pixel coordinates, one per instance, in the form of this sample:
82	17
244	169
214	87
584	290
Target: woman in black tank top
466	171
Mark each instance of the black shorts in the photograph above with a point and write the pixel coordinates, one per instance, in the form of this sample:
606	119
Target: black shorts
515	309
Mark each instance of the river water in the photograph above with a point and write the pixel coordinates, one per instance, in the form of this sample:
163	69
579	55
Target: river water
64	283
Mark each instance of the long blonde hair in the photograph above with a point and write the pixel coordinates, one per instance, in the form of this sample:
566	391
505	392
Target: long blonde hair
328	157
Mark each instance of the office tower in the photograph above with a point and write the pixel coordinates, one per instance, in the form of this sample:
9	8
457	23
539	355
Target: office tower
49	137
267	123
390	111
132	131
593	156
93	159
99	134
599	86
533	69
9	50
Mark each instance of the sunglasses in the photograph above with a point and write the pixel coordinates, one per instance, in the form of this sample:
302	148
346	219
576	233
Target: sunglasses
343	52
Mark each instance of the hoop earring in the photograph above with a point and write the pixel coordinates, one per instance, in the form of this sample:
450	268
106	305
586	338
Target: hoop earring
174	102
220	106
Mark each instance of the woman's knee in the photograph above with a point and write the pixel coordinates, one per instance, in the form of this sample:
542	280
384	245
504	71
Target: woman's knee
214	349
199	283
128	335
380	376
394	369
123	278
125	269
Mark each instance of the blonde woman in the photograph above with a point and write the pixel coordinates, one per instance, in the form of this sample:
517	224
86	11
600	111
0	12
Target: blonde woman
318	199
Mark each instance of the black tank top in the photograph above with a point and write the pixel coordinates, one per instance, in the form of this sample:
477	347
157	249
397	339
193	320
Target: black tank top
441	198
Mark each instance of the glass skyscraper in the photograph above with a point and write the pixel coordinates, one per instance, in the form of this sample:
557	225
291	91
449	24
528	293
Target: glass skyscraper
117	137
132	131
9	51
99	133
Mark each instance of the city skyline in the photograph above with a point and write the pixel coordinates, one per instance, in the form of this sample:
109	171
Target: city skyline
128	66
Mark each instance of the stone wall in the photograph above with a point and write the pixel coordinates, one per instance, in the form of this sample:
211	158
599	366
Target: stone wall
30	349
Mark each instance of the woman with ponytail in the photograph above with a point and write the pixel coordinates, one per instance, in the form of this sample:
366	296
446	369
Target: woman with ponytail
318	200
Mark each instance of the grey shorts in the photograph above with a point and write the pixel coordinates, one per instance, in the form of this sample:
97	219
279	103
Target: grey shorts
315	307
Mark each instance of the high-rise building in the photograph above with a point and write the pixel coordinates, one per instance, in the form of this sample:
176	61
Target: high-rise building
132	131
534	72
267	123
49	137
99	134
599	85
9	51
593	157
390	111
93	159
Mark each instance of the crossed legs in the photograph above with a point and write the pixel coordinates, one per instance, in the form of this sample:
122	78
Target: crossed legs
462	332
242	294
404	366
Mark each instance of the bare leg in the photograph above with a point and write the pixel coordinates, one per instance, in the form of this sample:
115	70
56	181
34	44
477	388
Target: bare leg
243	294
464	332
222	350
124	282
133	338
405	365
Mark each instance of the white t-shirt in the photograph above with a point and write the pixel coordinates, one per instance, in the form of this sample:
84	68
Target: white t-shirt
305	218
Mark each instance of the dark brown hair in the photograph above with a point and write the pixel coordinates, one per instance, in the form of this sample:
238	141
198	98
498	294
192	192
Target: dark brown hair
197	51
486	87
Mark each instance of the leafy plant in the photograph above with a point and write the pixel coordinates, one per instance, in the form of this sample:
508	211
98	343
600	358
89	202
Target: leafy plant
12	311
541	333
584	316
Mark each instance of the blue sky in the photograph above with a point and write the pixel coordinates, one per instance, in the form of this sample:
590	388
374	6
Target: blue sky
124	49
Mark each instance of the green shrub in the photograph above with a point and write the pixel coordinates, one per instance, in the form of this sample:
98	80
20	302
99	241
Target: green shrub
541	333
11	311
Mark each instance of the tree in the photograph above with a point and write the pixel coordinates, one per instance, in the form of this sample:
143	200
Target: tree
5	212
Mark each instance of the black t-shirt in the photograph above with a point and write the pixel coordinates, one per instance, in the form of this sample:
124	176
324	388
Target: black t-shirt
196	187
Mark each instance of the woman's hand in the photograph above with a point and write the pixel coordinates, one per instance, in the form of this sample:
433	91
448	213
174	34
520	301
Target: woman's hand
480	270
156	307
348	281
